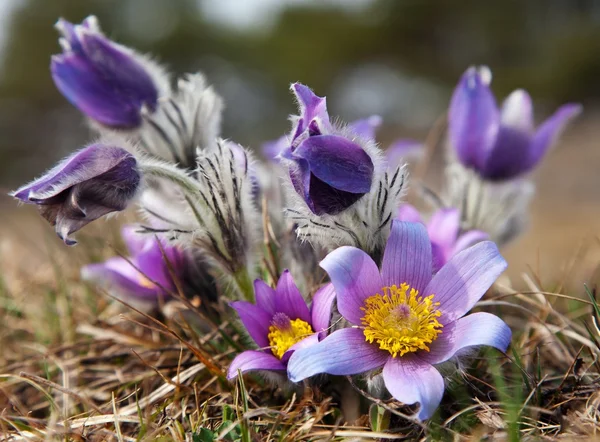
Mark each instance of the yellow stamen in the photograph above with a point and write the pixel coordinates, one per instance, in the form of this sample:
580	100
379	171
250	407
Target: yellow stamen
400	321
285	332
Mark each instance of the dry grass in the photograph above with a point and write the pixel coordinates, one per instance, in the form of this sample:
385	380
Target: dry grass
77	365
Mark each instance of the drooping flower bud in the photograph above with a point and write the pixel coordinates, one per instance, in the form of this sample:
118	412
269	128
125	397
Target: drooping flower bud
109	83
90	183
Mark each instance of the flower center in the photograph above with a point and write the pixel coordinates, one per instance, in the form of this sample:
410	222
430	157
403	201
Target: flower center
400	321
283	333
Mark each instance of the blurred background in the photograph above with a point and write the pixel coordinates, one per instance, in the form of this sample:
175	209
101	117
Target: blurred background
396	58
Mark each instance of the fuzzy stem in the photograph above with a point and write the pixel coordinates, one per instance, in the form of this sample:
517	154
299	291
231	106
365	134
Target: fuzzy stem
171	173
245	284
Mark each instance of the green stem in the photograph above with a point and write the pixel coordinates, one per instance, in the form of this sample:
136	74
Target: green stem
245	284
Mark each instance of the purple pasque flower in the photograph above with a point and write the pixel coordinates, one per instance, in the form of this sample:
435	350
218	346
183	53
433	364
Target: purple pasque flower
280	323
106	81
145	275
500	144
444	233
405	320
96	180
328	168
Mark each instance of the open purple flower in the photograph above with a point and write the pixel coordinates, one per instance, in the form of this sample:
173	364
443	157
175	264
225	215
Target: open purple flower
280	323
444	233
404	320
328	170
104	80
91	183
500	144
145	276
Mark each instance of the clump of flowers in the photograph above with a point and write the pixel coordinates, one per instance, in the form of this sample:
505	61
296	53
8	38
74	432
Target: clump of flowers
394	299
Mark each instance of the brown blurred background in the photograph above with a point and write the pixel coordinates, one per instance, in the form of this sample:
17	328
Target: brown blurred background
396	58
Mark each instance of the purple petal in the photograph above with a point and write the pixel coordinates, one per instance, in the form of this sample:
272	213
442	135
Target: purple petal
321	307
355	277
401	149
366	127
474	119
407	256
85	88
411	380
473	330
338	162
325	199
83	165
117	64
465	279
517	112
508	157
467	239
439	256
272	149
256	320
443	227
409	213
289	300
119	275
265	296
344	352
89	184
103	79
299	174
153	262
134	240
311	106
304	343
549	132
253	360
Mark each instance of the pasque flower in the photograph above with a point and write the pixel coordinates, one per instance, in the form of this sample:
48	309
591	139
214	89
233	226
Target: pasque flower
405	320
90	183
106	81
500	144
444	232
328	167
279	323
145	275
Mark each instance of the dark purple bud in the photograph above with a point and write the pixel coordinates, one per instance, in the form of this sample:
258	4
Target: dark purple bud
106	81
91	183
329	171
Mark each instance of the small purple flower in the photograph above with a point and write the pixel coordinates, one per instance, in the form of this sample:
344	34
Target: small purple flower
328	170
444	233
145	276
90	183
104	80
405	320
280	323
500	144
